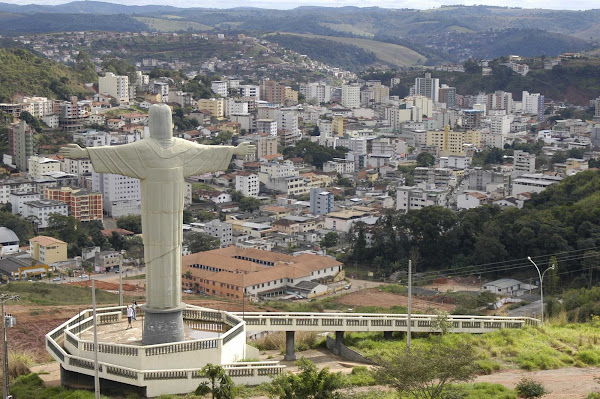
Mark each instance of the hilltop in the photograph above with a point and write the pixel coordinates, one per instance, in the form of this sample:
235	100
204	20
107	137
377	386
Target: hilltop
426	36
23	72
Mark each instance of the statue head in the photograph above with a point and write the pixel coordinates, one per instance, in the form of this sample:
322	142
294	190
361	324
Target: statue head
160	122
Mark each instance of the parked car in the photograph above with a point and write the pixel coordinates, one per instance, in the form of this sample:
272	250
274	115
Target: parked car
84	276
56	279
347	287
188	291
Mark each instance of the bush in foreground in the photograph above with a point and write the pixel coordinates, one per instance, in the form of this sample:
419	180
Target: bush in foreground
530	389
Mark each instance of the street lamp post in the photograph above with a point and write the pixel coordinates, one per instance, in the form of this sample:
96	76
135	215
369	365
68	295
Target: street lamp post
541	275
5	376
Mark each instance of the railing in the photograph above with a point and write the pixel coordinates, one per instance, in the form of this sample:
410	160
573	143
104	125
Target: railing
280	321
164	349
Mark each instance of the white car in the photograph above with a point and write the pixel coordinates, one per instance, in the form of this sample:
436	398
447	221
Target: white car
188	291
84	276
56	279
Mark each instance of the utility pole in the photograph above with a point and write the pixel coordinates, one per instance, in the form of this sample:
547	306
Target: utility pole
121	280
96	376
409	319
5	376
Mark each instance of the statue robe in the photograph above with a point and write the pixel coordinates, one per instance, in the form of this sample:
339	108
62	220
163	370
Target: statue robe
161	172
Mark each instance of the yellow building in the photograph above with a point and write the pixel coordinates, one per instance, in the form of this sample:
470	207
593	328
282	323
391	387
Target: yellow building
48	250
446	141
473	137
291	96
338	126
216	106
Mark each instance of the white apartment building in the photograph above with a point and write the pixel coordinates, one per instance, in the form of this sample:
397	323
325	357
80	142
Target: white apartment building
235	106
38	106
249	91
523	163
247	184
18	200
115	86
500	124
37	166
274	170
268	126
120	194
455	162
351	96
341	166
221	230
427	86
319	92
79	167
41	210
219	87
162	88
287	119
533	183
355	145
418	197
531	102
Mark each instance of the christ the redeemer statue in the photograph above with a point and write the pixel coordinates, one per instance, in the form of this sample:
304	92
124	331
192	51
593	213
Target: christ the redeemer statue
161	162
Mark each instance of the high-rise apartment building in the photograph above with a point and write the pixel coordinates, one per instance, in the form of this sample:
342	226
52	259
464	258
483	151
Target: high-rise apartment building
351	95
219	87
447	95
247	184
273	92
249	91
216	106
428	87
500	100
120	194
115	86
319	92
21	144
321	201
523	163
83	205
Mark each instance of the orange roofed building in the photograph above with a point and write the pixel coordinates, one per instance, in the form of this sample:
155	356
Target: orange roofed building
231	271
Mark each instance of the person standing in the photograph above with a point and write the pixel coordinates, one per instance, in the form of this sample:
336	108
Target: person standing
129	316
134	306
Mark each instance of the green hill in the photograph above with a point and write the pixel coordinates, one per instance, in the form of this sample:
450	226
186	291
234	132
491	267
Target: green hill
22	72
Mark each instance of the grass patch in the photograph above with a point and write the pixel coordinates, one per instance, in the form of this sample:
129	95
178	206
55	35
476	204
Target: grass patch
530	348
304	340
31	386
44	294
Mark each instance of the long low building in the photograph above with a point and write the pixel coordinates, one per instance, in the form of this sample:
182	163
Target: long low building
231	271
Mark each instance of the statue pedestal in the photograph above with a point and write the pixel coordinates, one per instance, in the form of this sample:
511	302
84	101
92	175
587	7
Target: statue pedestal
163	326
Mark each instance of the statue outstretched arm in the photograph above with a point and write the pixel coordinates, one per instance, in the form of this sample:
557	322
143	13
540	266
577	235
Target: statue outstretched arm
212	158
121	160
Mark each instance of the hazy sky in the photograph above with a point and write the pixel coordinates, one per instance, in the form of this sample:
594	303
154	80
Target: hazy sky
286	4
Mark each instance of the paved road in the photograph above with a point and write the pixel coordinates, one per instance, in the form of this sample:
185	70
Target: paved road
533	309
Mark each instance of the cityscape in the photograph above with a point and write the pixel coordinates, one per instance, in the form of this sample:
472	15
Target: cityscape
317	202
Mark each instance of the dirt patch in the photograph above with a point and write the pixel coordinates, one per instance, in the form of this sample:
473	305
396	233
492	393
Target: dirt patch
374	297
568	383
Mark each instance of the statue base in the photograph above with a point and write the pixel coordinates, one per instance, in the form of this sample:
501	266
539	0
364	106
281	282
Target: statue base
162	326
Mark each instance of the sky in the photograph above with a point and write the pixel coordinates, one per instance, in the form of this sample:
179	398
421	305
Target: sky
288	4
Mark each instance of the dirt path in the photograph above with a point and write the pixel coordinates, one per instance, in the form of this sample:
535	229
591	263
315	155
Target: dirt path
568	383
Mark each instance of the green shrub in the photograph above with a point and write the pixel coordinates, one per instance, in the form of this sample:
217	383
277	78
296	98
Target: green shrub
530	389
589	357
360	376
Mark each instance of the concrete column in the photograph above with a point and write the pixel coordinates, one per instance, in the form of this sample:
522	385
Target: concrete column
387	334
339	342
289	346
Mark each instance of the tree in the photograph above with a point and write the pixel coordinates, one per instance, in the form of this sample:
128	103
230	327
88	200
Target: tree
249	204
219	384
330	240
310	383
316	131
424	373
132	223
530	389
425	159
199	242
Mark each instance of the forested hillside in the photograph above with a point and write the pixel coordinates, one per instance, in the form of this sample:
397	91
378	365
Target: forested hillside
22	72
563	221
